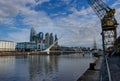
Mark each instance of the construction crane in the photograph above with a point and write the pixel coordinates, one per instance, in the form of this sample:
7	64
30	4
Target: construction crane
108	23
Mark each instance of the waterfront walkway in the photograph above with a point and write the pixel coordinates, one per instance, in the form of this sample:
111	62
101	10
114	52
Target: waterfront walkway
110	70
114	64
92	75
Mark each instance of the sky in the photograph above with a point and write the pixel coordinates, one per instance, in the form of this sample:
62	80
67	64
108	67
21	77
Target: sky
74	20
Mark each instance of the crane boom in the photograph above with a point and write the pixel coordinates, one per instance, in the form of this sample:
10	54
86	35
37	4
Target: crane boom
99	7
108	23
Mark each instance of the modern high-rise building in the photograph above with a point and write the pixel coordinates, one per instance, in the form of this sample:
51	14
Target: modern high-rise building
32	34
56	39
40	35
47	40
51	39
40	38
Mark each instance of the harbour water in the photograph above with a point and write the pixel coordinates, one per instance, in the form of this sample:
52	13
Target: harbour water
44	67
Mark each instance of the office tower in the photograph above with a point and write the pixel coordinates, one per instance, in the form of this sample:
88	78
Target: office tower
32	34
47	40
40	35
56	39
51	39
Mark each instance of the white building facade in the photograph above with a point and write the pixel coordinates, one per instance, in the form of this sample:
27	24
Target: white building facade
7	45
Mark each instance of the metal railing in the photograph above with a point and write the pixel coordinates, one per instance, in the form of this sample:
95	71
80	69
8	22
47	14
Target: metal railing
108	69
105	74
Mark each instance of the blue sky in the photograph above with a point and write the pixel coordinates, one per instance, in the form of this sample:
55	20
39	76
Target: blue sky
74	20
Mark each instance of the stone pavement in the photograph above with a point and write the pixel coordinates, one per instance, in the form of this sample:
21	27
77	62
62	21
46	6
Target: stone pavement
92	75
114	64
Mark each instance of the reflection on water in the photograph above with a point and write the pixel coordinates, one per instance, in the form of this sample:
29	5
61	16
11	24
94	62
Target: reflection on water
43	67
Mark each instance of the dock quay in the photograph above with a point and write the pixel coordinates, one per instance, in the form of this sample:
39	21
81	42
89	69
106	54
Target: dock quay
114	69
15	53
114	64
104	69
92	74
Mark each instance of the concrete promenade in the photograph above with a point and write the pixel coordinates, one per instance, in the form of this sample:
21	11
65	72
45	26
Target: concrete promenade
92	75
114	64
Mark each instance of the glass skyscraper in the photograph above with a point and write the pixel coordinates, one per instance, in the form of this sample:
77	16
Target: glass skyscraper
32	34
47	40
51	39
56	39
40	35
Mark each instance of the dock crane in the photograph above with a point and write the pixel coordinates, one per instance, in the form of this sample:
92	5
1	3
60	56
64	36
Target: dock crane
108	23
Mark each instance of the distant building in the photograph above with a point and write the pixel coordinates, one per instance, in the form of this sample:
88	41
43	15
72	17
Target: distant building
56	39
41	35
47	40
7	45
29	46
38	41
32	35
51	39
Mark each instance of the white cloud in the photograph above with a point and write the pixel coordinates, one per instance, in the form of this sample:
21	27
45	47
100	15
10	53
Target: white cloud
10	8
6	20
20	36
83	26
116	5
79	28
42	1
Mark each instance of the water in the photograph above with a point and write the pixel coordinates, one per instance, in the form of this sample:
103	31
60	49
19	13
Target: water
43	67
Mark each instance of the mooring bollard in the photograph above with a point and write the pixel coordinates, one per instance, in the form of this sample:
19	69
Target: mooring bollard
92	66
